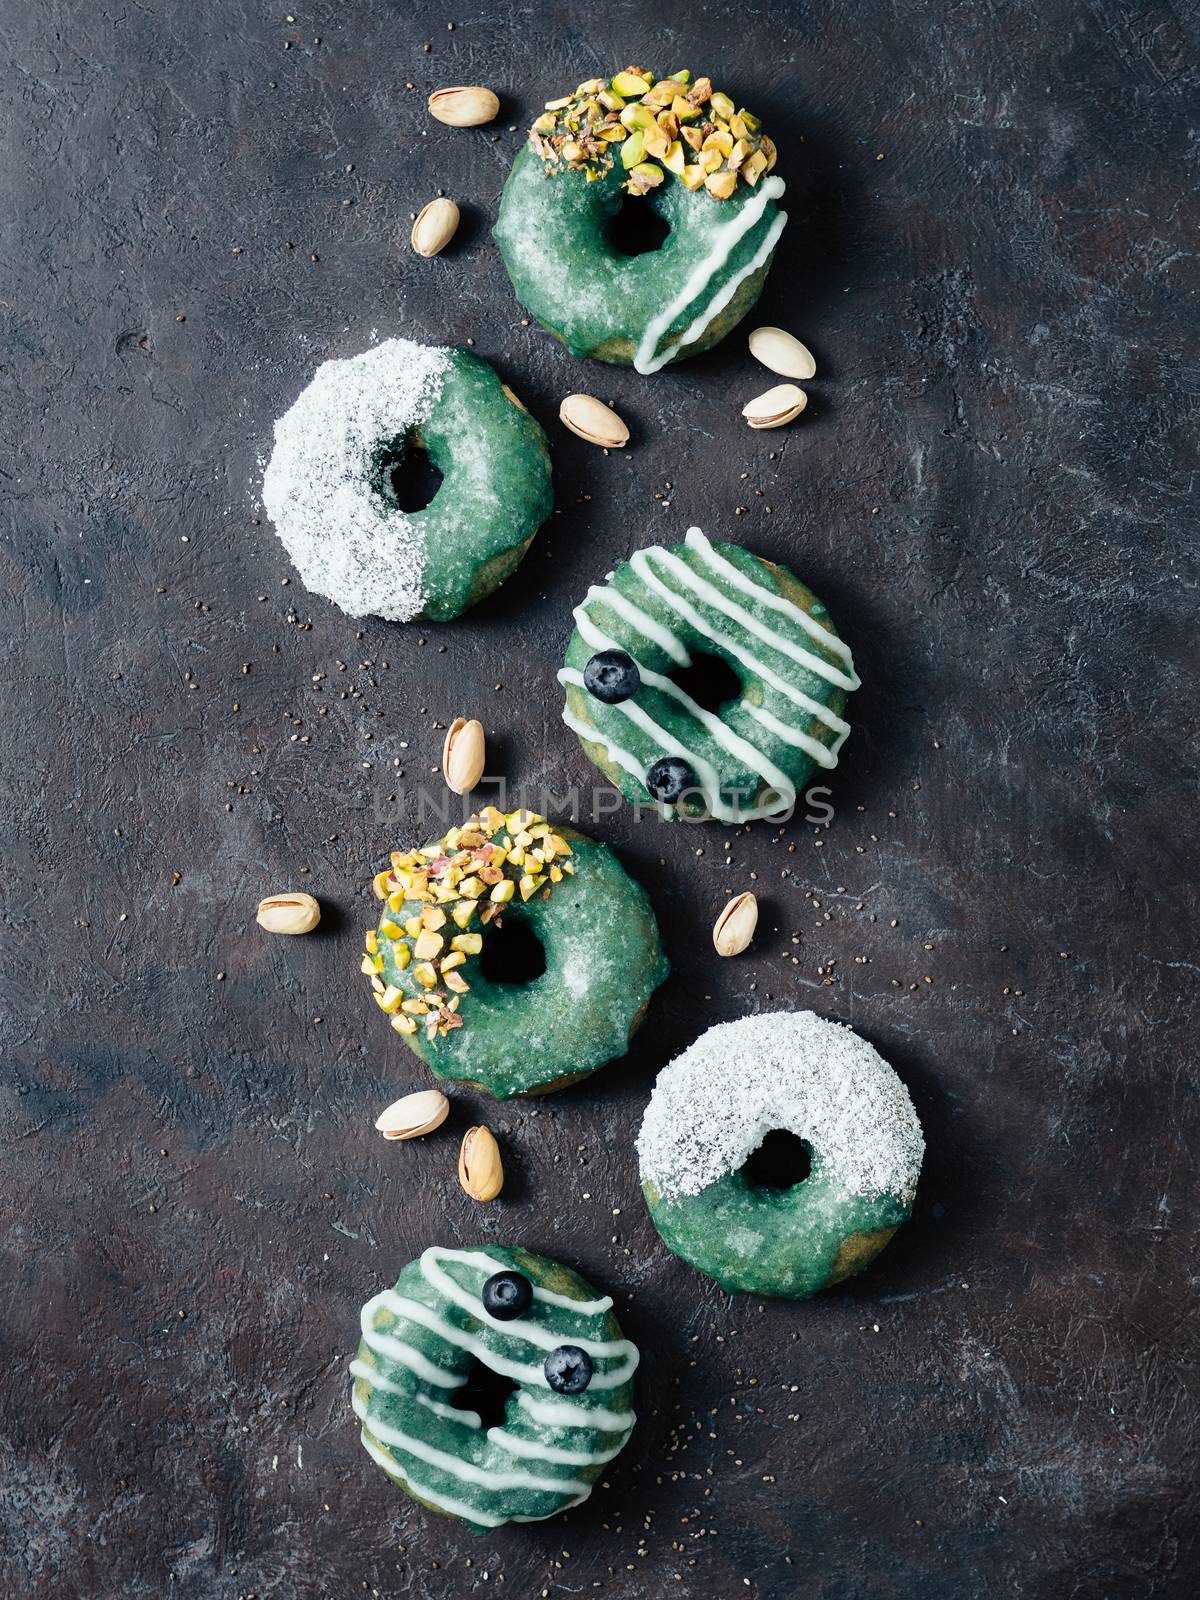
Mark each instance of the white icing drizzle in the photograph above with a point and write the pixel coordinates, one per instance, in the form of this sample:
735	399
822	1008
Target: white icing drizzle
532	1376
456	1508
519	1371
457	1466
591	634
724	295
640	563
645	624
824	755
469	1419
696	540
648	359
584	1308
384	1344
371	1375
533	1450
753	626
519	1328
562	1414
615	753
376	1380
708	780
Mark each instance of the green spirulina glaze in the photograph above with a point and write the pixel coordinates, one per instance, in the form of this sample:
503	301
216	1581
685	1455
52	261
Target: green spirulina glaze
553	234
786	1242
666	606
604	960
420	1343
495	492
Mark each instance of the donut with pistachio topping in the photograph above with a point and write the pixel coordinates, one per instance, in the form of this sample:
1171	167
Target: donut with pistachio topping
689	154
513	954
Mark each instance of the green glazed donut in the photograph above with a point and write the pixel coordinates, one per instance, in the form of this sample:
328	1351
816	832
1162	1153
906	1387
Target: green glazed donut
447	905
748	758
711	1109
420	1343
328	486
688	154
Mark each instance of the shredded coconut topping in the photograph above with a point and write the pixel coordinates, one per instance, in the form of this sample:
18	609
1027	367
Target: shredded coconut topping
348	543
713	1106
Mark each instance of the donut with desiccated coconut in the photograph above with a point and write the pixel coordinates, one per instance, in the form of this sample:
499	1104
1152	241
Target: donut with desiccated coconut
330	486
711	1110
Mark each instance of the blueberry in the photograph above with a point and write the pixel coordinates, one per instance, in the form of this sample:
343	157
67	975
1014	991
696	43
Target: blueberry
612	676
507	1295
668	778
568	1369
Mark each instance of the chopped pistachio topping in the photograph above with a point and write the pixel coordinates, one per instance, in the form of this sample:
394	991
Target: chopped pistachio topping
470	874
654	126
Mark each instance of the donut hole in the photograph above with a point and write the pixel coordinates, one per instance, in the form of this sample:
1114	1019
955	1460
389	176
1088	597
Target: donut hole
512	953
487	1393
710	680
636	228
782	1161
403	476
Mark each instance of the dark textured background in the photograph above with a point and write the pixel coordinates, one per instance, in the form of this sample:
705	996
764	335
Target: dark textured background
991	254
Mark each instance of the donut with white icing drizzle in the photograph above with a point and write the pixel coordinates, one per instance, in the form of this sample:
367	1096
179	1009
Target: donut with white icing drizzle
750	757
424	1343
711	1110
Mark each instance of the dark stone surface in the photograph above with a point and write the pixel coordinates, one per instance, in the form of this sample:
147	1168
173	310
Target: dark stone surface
991	254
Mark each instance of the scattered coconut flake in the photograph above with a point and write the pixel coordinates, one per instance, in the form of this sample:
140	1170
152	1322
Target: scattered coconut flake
348	543
715	1104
